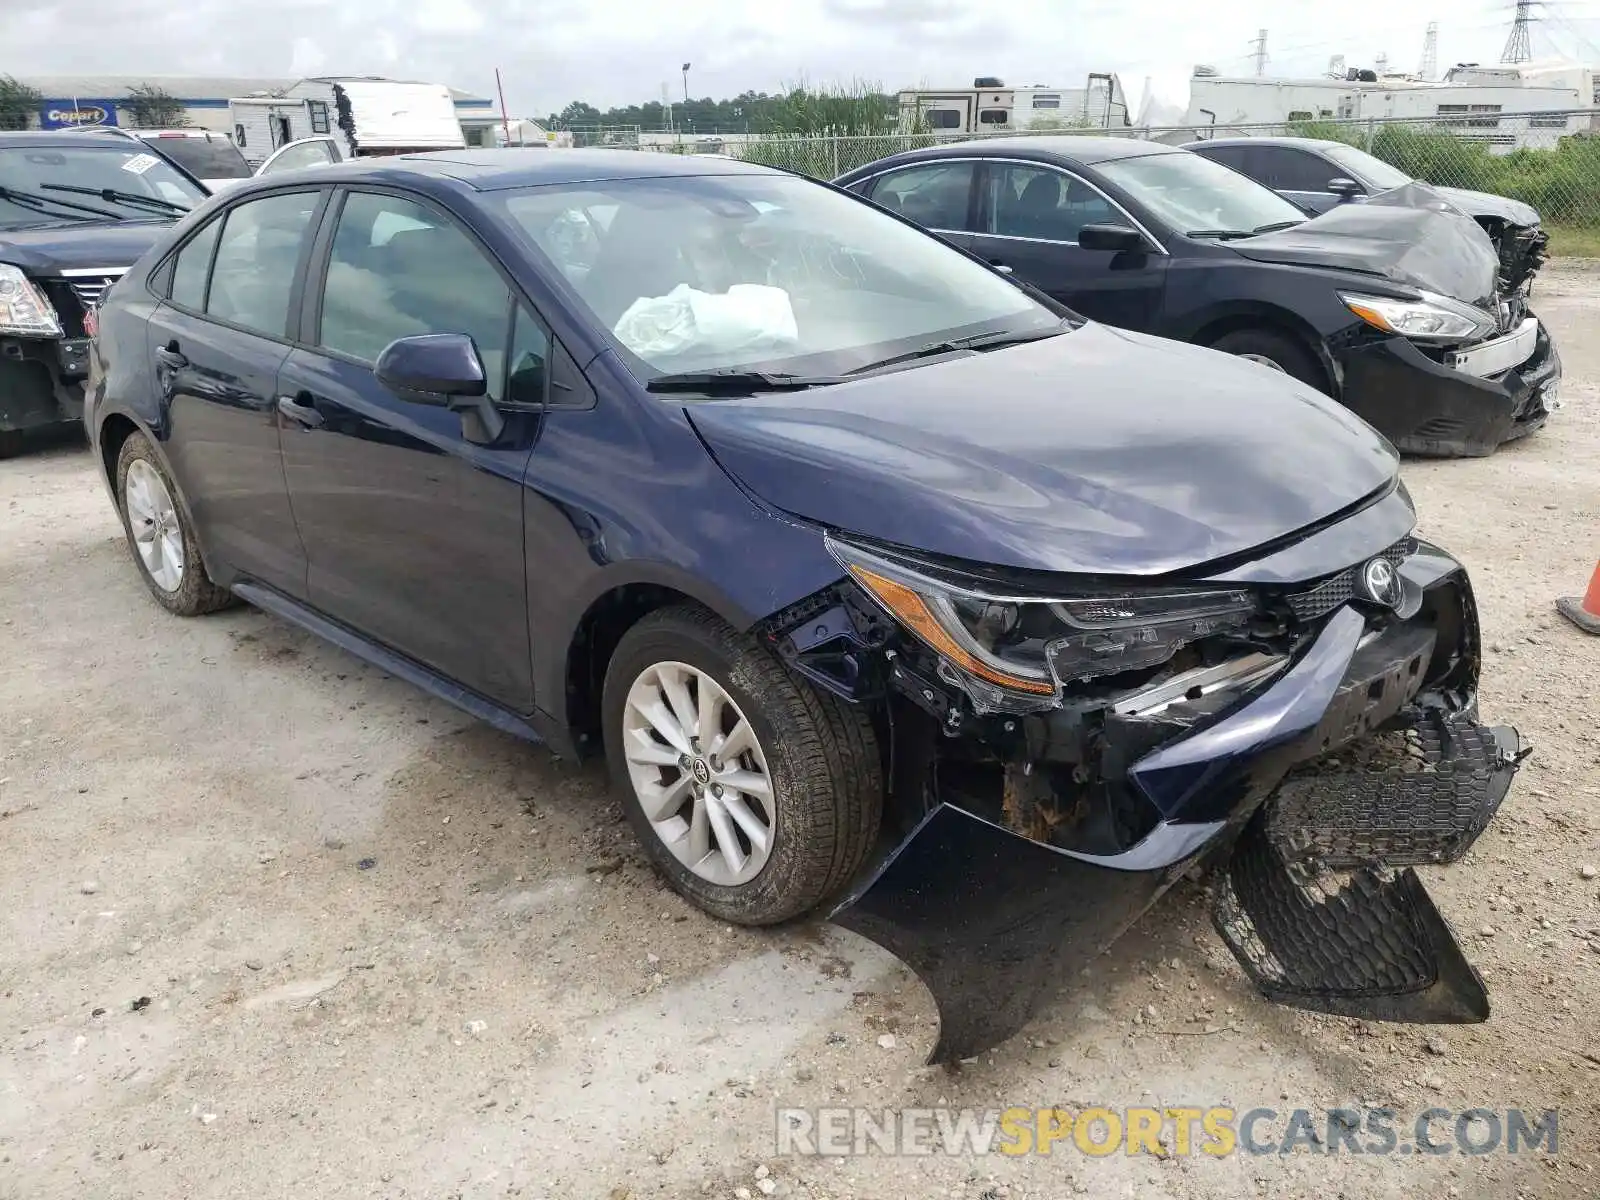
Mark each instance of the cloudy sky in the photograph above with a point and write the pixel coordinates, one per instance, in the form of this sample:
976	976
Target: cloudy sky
617	52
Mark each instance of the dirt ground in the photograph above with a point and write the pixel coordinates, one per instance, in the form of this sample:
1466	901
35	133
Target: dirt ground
275	924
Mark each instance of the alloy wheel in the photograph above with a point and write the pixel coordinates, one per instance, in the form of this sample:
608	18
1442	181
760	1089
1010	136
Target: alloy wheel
153	518
699	773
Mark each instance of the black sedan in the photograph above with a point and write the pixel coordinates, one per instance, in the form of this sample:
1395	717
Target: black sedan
1392	308
886	590
1318	175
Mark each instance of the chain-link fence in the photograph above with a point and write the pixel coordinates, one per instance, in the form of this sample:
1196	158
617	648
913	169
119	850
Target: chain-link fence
1550	160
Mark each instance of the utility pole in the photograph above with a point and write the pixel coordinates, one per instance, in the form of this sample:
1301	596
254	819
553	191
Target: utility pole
1518	46
1260	52
1430	52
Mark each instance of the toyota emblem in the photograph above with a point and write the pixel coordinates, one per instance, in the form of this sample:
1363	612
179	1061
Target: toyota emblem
1382	582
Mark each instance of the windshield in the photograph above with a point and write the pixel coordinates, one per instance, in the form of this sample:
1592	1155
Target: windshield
1197	196
205	157
46	185
1366	168
761	272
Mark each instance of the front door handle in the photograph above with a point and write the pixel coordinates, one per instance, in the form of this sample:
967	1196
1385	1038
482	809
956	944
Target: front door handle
169	356
300	412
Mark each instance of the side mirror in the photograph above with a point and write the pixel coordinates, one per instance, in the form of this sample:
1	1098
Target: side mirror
1345	189
1111	237
443	369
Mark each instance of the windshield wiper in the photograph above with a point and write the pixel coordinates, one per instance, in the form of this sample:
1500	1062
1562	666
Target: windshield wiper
33	200
983	341
738	382
113	196
1274	226
1222	235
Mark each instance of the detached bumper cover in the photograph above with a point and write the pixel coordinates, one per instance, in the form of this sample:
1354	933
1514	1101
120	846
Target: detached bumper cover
993	921
1426	408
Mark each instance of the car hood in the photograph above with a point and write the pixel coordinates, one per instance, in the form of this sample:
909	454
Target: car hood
1408	235
49	250
1095	452
1485	204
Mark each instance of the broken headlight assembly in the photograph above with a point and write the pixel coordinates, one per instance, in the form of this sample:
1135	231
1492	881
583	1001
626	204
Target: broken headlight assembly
1429	319
23	307
1007	646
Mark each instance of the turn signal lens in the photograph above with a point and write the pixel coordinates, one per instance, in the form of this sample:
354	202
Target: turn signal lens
912	610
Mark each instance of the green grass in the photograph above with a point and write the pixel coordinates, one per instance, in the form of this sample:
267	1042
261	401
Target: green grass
1567	241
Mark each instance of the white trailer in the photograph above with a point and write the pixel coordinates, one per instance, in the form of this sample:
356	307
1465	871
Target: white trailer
989	106
365	116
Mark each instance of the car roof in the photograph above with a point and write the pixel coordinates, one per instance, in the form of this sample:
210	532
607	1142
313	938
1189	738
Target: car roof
61	137
1303	143
514	167
1086	150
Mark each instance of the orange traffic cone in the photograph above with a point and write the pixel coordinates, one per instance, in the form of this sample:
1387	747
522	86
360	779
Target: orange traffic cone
1584	613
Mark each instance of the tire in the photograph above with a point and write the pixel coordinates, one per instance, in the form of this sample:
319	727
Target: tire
1280	351
194	593
822	768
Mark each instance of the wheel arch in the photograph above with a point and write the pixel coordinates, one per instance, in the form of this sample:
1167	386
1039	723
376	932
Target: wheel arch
618	602
112	433
1276	320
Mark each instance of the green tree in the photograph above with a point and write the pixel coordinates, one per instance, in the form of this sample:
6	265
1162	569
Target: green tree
18	103
150	106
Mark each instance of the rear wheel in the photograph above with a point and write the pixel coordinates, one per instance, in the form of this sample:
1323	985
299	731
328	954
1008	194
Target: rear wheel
159	535
1278	351
755	795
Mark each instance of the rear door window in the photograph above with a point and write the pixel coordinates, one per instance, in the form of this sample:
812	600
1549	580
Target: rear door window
934	195
192	268
257	256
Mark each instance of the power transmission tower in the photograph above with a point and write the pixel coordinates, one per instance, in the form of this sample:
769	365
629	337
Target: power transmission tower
1430	52
1382	64
1518	47
1260	53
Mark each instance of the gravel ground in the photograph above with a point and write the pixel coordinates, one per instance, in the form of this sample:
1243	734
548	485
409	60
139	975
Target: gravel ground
277	924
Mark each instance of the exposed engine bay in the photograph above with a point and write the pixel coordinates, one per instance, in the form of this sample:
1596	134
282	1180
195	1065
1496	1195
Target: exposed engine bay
1306	740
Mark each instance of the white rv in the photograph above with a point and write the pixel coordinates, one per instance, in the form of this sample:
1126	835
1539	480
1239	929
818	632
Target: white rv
365	116
989	106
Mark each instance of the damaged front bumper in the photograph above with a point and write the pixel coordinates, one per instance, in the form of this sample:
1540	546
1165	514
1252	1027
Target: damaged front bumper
1359	757
1426	407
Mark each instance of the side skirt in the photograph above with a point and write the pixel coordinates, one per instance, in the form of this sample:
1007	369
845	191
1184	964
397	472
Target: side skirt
396	664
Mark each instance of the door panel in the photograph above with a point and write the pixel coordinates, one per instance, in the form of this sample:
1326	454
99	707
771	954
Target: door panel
220	388
217	344
1029	221
413	534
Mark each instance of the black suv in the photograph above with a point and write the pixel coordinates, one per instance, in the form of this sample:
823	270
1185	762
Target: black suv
76	210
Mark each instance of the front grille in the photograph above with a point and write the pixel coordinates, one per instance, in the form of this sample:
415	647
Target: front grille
1328	595
72	295
90	289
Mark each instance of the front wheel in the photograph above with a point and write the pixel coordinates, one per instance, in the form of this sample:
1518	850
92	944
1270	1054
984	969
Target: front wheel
755	795
1276	351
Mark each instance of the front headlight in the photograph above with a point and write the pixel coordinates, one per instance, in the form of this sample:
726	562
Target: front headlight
1032	645
23	307
1431	319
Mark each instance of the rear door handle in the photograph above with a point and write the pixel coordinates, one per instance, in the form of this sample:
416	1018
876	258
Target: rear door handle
300	412
169	356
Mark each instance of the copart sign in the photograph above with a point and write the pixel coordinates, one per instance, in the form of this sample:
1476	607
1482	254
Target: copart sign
69	114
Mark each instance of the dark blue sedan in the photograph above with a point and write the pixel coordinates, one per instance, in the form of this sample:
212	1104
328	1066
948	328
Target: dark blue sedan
881	584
